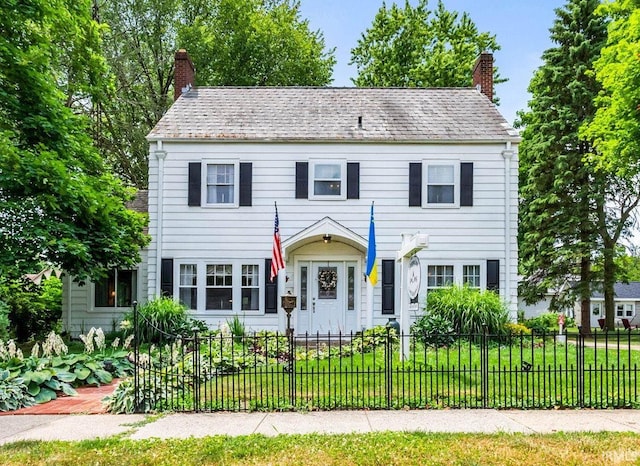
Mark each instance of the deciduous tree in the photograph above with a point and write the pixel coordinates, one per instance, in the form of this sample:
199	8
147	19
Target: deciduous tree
615	132
231	42
417	47
58	203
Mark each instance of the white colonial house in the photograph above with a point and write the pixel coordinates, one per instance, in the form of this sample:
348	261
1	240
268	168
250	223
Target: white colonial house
439	162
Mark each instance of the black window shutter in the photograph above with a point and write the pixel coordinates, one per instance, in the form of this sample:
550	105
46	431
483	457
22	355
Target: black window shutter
270	290
466	184
245	183
302	180
493	275
415	184
195	178
166	277
388	282
353	180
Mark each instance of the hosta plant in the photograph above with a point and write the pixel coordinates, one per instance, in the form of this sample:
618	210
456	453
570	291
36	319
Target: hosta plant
13	392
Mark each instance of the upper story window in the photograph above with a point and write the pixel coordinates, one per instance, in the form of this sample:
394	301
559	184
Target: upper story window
442	184
118	289
222	184
327	179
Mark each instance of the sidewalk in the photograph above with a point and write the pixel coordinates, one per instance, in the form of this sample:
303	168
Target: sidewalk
139	426
82	417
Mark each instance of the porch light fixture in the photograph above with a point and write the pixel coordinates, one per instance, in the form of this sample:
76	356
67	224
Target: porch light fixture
326	238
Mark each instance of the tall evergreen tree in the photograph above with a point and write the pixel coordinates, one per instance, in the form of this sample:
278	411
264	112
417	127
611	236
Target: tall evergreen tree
560	191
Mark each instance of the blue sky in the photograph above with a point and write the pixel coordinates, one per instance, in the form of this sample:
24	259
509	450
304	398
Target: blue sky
520	26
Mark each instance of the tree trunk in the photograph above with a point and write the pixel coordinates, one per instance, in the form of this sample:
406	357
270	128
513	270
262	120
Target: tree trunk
609	281
585	296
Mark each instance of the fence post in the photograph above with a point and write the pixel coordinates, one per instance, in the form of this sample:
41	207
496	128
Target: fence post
196	370
484	369
292	370
136	359
388	366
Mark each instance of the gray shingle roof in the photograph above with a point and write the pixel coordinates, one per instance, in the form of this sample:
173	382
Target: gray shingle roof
331	114
629	291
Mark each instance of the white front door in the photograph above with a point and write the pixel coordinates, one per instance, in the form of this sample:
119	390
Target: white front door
328	302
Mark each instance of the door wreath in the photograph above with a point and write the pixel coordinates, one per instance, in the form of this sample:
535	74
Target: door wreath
327	279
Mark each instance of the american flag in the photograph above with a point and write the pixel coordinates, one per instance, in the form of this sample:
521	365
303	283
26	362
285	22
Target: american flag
277	262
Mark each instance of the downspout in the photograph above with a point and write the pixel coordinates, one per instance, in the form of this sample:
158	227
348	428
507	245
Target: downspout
507	154
160	155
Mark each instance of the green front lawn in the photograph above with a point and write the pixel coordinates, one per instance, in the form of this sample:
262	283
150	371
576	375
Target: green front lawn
387	448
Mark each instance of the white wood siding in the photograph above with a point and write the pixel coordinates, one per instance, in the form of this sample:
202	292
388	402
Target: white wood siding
460	235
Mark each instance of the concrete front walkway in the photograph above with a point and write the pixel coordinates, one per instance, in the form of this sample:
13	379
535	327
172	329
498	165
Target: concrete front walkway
80	418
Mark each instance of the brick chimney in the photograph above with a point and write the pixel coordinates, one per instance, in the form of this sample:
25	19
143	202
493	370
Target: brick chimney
483	74
184	73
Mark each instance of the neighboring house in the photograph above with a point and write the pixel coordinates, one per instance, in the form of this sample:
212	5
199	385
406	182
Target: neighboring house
442	162
627	305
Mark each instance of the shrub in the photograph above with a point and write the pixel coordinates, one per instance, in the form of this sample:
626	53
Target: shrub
433	330
469	310
33	310
545	323
517	329
163	317
4	321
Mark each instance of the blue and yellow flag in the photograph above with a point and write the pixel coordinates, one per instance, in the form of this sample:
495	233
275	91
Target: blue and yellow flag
372	266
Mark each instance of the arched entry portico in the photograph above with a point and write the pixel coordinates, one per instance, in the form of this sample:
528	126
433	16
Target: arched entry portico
327	260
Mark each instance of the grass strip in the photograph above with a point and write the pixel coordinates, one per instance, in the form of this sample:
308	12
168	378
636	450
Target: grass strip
388	448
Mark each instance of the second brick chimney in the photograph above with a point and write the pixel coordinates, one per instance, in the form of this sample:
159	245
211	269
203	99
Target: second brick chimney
483	74
184	73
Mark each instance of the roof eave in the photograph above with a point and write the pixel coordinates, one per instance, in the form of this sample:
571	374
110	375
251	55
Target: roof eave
499	140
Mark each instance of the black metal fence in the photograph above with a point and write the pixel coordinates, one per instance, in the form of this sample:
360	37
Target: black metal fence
269	371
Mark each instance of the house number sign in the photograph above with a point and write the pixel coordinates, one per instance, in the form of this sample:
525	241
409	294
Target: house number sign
413	277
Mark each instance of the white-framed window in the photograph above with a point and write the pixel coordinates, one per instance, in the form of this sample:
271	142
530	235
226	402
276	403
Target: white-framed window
596	309
250	287
441	186
188	288
439	276
624	310
222	181
328	179
444	273
118	289
471	275
226	286
219	287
